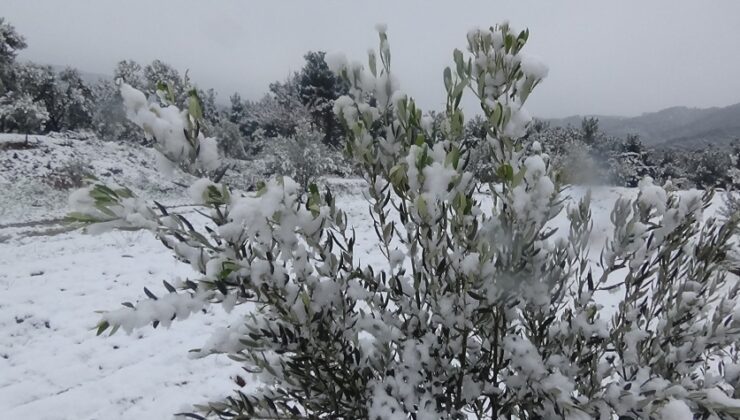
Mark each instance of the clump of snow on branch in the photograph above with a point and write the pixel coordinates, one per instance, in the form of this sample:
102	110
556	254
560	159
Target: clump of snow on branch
175	131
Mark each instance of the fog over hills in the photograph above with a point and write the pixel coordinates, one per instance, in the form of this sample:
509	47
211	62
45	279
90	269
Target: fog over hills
676	127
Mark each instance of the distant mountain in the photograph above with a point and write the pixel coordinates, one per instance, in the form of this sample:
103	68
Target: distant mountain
677	127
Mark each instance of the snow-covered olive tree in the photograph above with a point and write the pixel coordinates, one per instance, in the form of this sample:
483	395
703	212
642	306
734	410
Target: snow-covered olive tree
482	309
19	113
302	156
177	135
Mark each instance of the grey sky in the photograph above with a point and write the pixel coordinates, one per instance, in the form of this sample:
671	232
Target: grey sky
622	57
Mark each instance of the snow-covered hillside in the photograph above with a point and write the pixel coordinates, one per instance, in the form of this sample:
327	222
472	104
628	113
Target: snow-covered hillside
24	170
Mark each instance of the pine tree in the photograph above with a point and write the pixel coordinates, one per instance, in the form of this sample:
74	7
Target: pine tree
10	43
78	99
239	115
632	163
590	129
318	88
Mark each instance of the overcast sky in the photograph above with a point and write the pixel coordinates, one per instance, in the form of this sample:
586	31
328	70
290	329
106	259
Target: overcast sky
622	58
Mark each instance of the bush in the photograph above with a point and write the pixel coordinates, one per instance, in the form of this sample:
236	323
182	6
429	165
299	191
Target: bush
19	113
230	139
482	309
570	157
302	157
72	174
710	168
109	118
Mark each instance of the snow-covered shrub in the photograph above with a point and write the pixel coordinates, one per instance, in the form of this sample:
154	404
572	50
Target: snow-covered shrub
68	101
303	156
628	168
277	113
731	204
710	168
588	157
177	134
244	175
19	113
671	167
69	175
481	309
571	158
230	140
474	139
109	120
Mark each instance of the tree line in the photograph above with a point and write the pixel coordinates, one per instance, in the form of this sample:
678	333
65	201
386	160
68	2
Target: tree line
293	130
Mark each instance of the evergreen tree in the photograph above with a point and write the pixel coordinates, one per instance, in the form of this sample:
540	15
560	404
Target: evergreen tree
539	125
130	72
78	100
237	110
158	72
160	78
632	163
672	167
318	88
212	113
734	171
590	129
474	139
10	43
238	114
633	144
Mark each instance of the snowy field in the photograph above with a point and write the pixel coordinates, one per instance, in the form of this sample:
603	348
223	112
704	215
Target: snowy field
52	365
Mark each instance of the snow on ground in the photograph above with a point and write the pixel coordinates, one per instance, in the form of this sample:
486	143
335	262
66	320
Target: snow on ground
24	170
52	365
